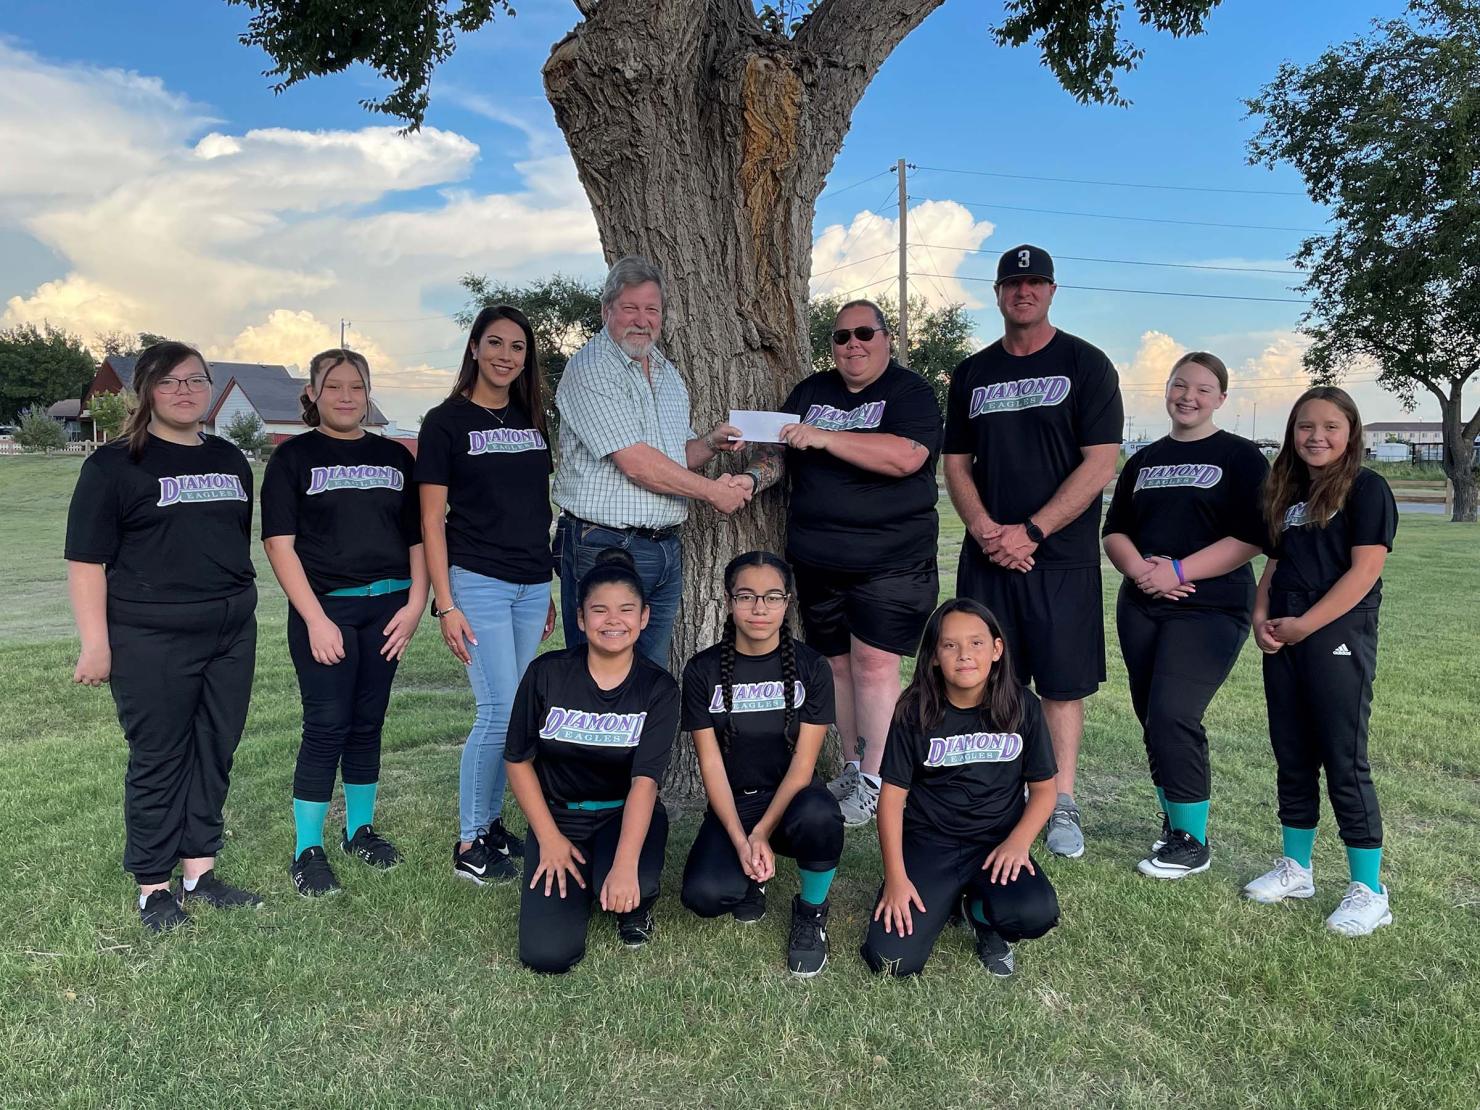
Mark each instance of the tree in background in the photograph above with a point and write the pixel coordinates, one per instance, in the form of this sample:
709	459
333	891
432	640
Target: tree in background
125	344
40	366
35	431
939	337
109	411
1385	130
246	431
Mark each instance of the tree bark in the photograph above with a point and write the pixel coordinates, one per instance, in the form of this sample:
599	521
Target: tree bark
1459	454
703	141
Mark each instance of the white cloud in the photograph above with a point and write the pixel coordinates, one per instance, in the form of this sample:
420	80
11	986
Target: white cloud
76	304
864	256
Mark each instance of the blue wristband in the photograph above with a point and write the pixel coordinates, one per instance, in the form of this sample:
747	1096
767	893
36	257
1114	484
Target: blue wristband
1177	567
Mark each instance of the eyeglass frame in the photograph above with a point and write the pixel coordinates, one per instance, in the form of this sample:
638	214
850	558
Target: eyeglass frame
848	333
782	598
183	383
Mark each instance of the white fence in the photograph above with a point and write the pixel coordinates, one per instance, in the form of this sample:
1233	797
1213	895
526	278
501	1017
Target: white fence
81	447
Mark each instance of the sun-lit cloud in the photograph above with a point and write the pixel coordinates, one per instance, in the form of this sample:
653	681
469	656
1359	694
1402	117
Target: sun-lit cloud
863	257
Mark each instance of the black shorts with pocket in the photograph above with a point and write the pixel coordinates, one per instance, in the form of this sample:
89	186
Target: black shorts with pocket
886	609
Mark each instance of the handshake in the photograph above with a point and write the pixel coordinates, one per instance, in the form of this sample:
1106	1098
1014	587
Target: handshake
731	492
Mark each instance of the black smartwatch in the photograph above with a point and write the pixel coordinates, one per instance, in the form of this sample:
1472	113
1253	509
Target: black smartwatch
439	613
1035	533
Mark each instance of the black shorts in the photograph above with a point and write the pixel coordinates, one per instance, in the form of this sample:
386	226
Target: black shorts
1053	620
886	609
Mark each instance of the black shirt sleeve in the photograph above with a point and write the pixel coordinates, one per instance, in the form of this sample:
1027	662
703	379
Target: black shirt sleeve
93	517
1247	519
280	496
697	691
434	451
410	498
659	731
900	754
1099	408
1038	761
1120	516
1371	513
915	414
958	437
820	708
524	719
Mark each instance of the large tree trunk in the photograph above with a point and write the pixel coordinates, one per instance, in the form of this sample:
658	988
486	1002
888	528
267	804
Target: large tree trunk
1459	454
703	141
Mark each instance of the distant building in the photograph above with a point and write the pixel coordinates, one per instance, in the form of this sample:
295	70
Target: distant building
1401	431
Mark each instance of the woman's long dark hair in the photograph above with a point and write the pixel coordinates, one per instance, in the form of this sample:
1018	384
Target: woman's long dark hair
528	388
793	725
925	700
154	363
1289	476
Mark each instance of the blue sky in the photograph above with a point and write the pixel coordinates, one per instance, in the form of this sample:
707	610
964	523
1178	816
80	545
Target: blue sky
161	184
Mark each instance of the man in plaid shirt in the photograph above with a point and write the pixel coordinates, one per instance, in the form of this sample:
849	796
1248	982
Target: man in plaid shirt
629	456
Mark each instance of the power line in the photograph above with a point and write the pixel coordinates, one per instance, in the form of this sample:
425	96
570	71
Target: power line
1135	262
865	285
1233	382
1120	184
856	184
855	262
1131	219
1147	292
411	319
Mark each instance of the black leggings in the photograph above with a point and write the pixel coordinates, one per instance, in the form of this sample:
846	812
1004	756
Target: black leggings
182	680
1177	658
942	870
552	929
810	831
344	703
1319	695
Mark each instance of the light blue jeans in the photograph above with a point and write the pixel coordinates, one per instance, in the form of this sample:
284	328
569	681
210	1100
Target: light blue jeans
659	565
506	619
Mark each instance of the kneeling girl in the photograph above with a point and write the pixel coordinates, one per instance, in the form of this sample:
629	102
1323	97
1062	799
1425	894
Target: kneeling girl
953	822
589	739
759	705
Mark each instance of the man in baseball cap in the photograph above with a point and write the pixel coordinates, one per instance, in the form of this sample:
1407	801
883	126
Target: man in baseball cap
1033	427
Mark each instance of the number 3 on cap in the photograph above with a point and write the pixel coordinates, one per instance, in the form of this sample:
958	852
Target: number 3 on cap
1023	257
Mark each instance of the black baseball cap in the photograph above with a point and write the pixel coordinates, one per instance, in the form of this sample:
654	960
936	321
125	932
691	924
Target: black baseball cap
1025	260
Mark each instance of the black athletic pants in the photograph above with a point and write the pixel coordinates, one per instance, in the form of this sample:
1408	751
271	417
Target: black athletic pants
344	703
552	929
810	831
1177	657
182	680
1319	695
943	869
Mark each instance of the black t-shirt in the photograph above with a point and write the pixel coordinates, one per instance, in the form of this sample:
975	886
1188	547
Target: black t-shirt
174	526
498	488
758	757
843	516
349	504
1312	558
1024	419
966	781
1174	498
588	744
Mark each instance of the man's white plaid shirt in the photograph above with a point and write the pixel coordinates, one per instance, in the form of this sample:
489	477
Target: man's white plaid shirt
606	404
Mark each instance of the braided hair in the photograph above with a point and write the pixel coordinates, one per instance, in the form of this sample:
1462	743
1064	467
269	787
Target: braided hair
788	650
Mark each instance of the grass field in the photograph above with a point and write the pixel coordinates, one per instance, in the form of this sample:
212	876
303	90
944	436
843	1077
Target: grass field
406	990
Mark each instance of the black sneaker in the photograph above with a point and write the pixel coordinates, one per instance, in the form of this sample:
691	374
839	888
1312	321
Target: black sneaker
312	874
1179	857
752	907
374	849
636	928
1166	834
479	865
994	952
161	913
502	841
806	950
223	896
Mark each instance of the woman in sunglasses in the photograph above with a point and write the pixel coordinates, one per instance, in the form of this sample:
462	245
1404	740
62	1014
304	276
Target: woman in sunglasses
758	704
861	531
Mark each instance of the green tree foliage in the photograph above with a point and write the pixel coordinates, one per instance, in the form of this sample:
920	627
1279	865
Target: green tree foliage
939	337
109	411
126	344
35	431
246	431
1385	129
39	366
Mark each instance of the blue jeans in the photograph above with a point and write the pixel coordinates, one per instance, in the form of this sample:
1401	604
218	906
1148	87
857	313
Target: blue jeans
659	565
506	619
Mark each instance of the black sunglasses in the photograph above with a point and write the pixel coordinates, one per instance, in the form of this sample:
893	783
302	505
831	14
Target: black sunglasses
864	334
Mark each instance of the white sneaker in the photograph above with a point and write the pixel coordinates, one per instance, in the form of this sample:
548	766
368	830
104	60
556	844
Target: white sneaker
1287	880
1362	911
843	785
859	807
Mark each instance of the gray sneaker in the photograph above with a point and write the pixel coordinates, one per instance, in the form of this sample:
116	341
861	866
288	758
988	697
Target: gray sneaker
844	784
859	807
1065	837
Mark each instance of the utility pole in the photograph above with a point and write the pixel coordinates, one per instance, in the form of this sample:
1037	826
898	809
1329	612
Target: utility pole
1254	425
904	283
343	324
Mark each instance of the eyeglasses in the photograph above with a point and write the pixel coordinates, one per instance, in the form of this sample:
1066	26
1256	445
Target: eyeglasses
745	599
196	384
864	334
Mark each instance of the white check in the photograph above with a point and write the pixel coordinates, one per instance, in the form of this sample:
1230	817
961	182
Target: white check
761	427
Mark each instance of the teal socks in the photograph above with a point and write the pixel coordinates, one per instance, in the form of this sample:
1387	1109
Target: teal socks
1190	817
308	824
1365	864
1161	799
1298	844
978	912
815	885
359	806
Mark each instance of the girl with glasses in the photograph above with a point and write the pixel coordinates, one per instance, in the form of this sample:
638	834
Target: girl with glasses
341	525
159	567
759	704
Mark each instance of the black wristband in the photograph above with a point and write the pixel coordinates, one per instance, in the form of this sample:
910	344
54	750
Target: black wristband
1035	533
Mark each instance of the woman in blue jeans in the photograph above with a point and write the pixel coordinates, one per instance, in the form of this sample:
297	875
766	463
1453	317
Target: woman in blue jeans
483	464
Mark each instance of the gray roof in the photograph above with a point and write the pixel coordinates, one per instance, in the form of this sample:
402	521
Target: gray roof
69	408
1404	426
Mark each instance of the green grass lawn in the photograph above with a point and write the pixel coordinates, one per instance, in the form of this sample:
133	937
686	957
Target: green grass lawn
406	988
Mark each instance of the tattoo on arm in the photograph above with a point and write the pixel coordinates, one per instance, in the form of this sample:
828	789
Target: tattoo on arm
769	464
